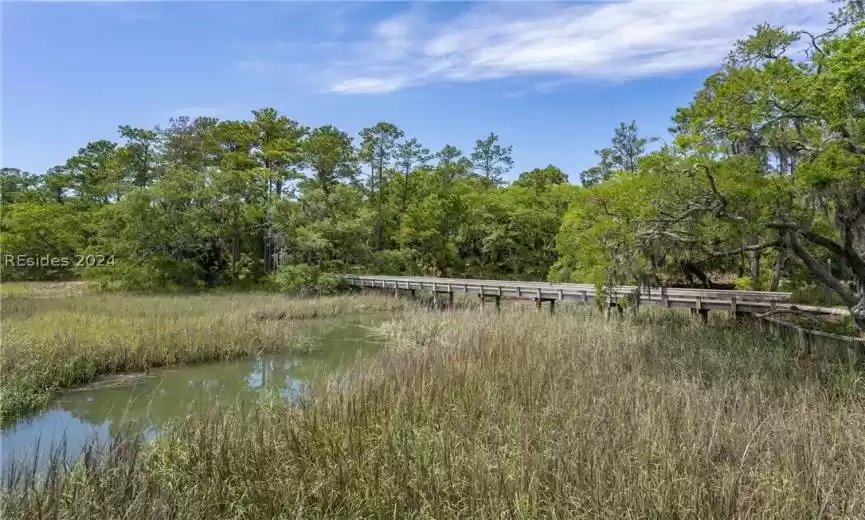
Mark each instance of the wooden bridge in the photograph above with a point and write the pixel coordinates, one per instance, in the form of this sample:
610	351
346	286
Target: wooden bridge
760	304
700	300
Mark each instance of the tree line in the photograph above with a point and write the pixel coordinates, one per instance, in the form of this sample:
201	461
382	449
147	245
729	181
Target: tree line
208	202
760	184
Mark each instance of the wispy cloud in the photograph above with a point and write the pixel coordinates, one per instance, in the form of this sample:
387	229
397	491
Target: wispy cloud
612	41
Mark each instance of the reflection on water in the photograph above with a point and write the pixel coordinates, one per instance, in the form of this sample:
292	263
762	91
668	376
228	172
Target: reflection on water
164	395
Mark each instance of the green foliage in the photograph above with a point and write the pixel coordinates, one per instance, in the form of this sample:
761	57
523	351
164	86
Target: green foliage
395	261
768	162
205	203
18	186
330	155
624	155
302	279
39	241
541	178
491	160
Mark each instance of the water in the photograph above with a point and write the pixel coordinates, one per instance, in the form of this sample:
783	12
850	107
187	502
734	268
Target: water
154	399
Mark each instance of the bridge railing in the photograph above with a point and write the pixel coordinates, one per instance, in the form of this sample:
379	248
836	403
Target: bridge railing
700	299
762	303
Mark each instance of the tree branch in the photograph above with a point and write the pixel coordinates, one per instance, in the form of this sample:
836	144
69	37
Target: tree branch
821	272
835	248
820	240
739	250
720	209
659	233
814	39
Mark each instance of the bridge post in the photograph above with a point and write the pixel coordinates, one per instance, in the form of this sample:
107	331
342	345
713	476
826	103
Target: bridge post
498	303
739	316
538	303
704	313
552	306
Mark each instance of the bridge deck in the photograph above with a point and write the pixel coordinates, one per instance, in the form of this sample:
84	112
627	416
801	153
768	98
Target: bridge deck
700	299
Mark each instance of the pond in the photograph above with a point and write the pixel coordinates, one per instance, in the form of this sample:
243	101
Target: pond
151	400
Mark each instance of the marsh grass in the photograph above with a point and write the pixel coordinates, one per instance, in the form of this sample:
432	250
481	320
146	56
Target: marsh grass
515	415
44	289
49	344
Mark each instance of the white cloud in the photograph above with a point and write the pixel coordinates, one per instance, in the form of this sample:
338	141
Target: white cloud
369	85
613	41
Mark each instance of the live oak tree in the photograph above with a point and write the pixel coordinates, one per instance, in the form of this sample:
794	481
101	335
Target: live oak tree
768	160
801	125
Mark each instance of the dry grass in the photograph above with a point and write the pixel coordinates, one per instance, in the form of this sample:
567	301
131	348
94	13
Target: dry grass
517	415
44	289
53	343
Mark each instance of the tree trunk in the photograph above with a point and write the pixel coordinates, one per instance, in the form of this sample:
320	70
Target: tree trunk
851	223
378	193
853	297
780	260
405	194
378	222
754	264
235	246
857	311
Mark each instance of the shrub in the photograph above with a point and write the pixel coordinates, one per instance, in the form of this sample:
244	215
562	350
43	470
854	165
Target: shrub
303	279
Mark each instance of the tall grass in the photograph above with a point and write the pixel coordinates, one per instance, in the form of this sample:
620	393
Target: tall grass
516	415
53	343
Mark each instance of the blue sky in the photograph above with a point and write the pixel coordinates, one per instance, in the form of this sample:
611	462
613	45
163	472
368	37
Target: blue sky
553	80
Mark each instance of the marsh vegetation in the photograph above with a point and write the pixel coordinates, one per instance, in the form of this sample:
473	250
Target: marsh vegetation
470	414
53	343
